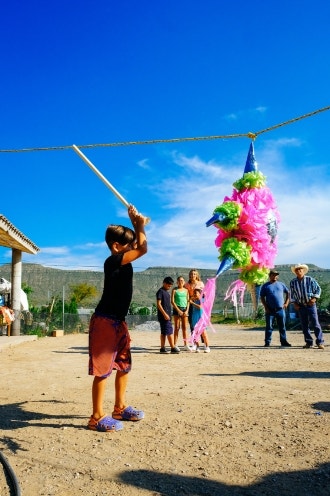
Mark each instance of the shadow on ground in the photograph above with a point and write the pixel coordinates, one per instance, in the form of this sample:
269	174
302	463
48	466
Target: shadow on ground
15	416
301	483
277	374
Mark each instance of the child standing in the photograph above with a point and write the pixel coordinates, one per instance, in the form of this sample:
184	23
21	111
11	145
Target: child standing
194	281
109	339
164	316
196	314
180	303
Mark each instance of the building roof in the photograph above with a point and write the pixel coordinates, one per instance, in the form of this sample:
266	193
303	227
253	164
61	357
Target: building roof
11	237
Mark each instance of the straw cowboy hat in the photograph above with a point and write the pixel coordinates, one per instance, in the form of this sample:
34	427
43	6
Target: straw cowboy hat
300	266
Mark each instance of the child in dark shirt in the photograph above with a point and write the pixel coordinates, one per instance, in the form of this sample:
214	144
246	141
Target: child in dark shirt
164	312
109	339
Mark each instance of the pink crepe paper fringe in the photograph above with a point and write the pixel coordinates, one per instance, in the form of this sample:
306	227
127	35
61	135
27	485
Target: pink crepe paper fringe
236	288
207	305
257	205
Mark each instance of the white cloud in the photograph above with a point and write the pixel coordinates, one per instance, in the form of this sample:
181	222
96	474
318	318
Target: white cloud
303	235
144	164
55	250
88	246
184	240
261	109
302	195
234	116
231	117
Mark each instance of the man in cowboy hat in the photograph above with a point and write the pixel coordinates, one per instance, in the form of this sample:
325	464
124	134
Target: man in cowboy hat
272	297
304	292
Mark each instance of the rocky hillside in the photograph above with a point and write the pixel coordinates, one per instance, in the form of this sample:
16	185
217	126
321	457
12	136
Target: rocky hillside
47	282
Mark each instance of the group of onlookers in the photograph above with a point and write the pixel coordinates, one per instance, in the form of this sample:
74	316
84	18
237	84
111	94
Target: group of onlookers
185	303
304	291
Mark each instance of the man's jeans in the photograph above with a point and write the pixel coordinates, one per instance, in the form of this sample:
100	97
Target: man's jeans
309	320
279	315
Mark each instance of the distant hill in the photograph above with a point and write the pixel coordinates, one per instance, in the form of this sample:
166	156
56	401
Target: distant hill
47	282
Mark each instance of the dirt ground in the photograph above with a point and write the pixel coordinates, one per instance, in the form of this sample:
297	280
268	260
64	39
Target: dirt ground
241	420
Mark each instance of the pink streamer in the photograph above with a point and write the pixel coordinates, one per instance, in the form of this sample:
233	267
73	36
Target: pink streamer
236	287
207	305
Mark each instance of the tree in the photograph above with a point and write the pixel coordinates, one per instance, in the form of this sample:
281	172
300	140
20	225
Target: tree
54	314
324	300
26	288
144	311
154	309
81	292
133	308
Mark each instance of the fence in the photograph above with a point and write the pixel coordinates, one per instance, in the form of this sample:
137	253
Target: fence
75	323
72	323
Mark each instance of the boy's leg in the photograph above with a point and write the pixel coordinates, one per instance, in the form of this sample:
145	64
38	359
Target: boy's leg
120	388
98	390
162	340
99	421
121	411
168	333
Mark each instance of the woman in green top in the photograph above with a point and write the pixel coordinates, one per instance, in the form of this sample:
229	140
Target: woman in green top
180	303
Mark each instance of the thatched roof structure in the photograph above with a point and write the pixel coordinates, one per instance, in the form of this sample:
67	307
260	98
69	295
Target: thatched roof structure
11	237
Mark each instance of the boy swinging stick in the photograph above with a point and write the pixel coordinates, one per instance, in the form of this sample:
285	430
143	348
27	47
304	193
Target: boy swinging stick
109	339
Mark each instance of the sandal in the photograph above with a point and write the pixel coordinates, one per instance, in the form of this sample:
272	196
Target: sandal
105	424
127	413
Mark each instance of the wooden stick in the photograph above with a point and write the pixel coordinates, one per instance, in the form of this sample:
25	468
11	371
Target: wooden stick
101	176
104	179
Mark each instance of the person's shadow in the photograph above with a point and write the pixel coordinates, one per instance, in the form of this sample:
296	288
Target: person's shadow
300	483
14	416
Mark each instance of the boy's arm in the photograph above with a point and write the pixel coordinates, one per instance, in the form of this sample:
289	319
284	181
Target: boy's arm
161	309
138	222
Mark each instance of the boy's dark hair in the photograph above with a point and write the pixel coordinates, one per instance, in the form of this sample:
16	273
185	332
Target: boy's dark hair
119	234
168	280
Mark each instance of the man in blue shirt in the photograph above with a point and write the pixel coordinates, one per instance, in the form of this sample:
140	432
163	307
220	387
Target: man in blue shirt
305	291
275	297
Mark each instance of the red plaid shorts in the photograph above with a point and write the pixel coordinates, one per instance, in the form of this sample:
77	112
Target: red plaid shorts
109	346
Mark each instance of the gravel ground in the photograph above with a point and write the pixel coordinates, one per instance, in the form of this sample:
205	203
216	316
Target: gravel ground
241	420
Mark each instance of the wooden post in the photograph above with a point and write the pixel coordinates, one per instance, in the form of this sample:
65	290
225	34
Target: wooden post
16	284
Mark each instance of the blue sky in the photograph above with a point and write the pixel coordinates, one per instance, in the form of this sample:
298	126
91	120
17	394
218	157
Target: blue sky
105	72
